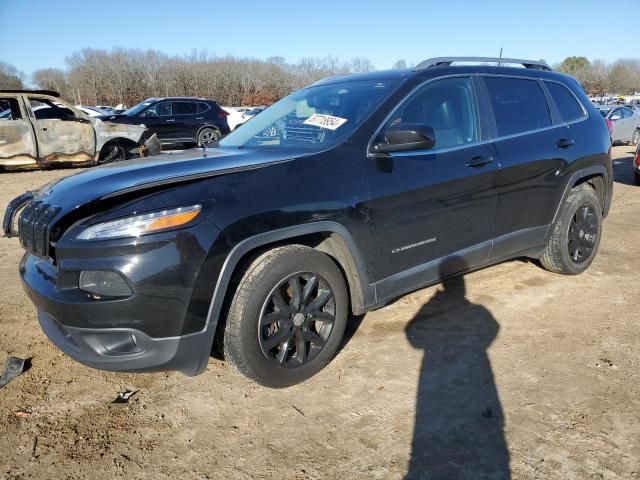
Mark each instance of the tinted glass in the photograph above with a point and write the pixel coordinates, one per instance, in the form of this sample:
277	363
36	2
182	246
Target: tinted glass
202	107
446	105
569	107
626	113
184	108
519	105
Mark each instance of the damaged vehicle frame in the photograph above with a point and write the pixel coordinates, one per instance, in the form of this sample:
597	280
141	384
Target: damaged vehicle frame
38	129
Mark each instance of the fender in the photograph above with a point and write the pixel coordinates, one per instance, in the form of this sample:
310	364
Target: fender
587	172
368	290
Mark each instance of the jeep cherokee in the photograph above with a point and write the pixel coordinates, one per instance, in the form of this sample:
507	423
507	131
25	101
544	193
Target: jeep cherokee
331	202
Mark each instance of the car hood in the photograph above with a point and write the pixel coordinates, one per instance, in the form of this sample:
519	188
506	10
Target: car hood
112	180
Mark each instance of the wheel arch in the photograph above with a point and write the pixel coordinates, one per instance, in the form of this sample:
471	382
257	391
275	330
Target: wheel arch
328	237
126	143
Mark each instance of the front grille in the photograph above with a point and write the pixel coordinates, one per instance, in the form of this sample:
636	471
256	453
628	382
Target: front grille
33	227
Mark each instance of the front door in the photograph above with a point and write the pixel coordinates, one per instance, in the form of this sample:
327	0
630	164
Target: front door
429	204
62	135
159	119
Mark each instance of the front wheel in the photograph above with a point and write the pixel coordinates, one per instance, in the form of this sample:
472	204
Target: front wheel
112	153
576	233
287	316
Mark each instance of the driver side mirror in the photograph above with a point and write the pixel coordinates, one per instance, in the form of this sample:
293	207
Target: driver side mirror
615	117
148	113
405	137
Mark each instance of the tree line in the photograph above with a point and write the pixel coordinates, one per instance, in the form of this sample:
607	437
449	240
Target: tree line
110	77
101	77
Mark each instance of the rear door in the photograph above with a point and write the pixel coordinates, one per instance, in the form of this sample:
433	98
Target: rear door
63	136
17	139
535	147
186	125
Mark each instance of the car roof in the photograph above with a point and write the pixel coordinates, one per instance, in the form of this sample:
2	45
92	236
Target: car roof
157	99
51	93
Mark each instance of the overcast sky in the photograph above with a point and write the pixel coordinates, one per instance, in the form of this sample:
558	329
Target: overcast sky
41	33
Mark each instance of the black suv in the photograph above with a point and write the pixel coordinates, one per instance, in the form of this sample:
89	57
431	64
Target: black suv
177	119
331	202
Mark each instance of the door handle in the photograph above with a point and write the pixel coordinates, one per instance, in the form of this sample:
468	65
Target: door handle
171	120
199	118
44	129
565	142
480	161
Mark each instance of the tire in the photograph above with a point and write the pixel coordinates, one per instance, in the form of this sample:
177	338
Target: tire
635	138
636	177
576	233
208	135
266	323
112	153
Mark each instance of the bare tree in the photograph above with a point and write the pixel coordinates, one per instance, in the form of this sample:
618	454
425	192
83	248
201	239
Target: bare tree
10	76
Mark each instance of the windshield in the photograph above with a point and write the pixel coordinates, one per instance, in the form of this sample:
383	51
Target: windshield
137	108
314	118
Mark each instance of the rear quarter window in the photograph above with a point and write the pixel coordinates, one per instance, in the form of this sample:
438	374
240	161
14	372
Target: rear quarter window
519	105
566	102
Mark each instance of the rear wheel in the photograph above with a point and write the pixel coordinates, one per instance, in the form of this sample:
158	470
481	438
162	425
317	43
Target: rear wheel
576	233
287	316
635	138
208	135
636	175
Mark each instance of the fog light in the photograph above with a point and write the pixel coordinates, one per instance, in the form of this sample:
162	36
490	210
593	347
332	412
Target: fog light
104	283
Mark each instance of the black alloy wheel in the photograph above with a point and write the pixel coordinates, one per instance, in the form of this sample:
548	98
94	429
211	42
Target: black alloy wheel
296	320
582	234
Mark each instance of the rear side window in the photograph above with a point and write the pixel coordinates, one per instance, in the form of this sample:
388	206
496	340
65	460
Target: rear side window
566	102
519	105
184	108
202	107
626	113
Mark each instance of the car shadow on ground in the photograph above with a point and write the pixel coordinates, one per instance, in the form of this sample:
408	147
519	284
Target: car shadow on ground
459	426
622	168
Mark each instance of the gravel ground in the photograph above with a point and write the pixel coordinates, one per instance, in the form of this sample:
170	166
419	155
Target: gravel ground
509	372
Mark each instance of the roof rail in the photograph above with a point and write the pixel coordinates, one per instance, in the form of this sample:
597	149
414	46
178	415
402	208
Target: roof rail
447	61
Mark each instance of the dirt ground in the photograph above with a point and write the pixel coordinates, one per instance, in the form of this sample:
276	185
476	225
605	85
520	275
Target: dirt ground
511	372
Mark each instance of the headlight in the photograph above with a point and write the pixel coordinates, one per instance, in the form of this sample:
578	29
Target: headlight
141	224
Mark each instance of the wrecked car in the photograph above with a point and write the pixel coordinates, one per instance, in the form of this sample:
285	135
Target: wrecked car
38	129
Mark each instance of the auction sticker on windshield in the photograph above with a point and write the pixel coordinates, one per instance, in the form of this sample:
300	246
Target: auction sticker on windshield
325	121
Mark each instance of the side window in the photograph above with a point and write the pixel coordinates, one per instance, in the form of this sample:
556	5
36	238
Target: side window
626	113
519	105
45	110
616	114
184	108
9	109
566	102
202	107
448	106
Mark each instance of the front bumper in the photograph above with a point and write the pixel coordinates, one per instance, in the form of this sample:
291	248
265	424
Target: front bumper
161	326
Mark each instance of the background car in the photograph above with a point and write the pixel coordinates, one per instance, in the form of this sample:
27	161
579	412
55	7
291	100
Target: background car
236	117
92	111
178	119
624	123
636	166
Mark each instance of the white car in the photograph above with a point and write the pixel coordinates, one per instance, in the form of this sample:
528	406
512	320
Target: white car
92	111
235	117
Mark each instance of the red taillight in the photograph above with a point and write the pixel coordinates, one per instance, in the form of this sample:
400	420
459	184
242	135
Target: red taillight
636	160
225	114
609	125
